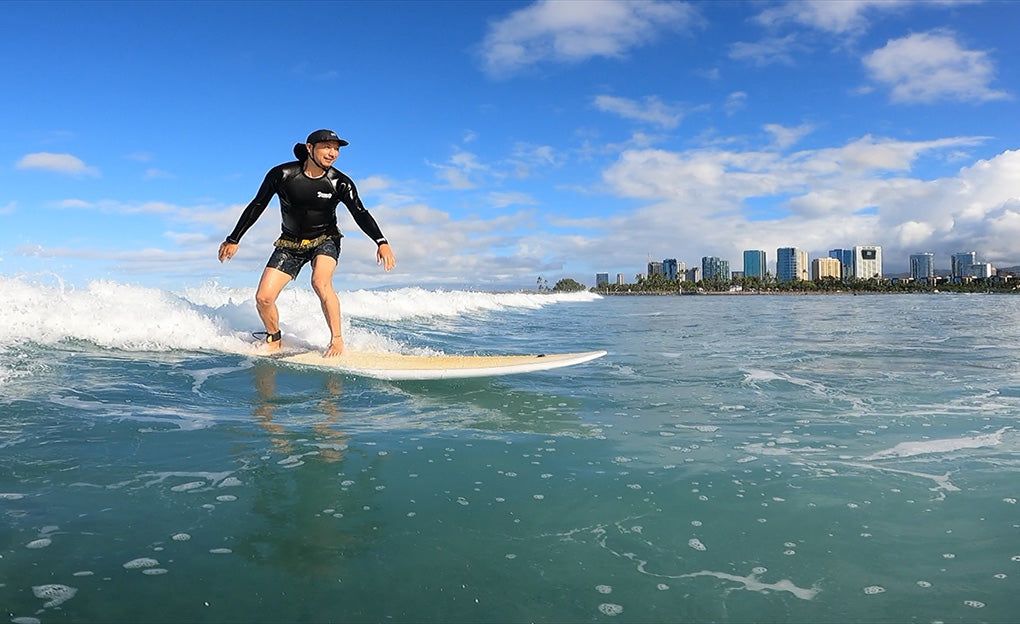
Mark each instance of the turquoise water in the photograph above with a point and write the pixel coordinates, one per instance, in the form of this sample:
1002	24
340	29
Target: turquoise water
733	459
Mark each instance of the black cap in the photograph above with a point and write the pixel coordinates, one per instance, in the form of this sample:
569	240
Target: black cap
325	135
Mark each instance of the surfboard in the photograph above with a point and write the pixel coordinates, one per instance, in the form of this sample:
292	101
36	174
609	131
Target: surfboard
397	366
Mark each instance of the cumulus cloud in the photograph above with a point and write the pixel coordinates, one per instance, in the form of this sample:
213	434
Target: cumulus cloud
932	66
59	163
573	32
709	202
650	110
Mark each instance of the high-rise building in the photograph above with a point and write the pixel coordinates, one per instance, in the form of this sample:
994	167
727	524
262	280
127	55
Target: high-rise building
822	268
601	279
621	279
654	268
982	270
754	263
694	275
791	264
846	261
669	268
922	267
715	269
961	263
867	262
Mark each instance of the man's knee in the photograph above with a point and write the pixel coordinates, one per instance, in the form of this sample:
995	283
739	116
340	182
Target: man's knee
323	287
264	300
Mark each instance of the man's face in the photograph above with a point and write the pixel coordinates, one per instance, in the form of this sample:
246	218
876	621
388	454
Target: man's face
325	152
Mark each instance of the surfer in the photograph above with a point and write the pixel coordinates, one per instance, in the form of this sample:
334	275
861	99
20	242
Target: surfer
309	190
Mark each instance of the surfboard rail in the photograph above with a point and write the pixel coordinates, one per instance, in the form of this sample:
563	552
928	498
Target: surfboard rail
403	367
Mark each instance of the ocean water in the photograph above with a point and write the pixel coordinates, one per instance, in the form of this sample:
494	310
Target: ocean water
733	459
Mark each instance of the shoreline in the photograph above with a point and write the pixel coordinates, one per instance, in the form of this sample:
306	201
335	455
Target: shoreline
802	293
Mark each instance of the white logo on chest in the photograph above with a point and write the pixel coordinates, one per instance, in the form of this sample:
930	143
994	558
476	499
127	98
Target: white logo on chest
322	195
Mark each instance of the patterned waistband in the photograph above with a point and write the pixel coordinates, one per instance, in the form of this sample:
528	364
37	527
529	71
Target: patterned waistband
308	243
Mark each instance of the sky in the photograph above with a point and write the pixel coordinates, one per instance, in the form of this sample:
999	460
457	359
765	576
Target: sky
497	143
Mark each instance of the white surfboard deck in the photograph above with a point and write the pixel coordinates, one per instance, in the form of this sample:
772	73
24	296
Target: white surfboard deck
397	366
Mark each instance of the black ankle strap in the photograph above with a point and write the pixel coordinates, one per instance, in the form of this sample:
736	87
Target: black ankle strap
268	337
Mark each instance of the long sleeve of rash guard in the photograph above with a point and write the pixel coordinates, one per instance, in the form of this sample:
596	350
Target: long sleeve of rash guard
256	206
349	196
367	223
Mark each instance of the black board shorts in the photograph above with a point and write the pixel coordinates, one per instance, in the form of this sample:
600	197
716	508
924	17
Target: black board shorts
290	261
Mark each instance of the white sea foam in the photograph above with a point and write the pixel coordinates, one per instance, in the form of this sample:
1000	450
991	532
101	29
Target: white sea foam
928	447
751	583
55	594
211	317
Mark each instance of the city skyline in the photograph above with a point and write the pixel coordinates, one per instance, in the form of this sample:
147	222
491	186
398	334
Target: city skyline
791	263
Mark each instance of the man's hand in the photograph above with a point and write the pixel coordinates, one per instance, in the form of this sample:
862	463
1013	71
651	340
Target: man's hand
383	255
227	250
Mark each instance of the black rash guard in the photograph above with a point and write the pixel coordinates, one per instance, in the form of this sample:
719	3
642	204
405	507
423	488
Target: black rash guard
308	205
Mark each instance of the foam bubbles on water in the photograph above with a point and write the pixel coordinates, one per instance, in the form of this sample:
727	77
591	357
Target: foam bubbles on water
185	487
696	544
604	589
154	571
54	594
39	543
874	589
180	537
608	608
141	562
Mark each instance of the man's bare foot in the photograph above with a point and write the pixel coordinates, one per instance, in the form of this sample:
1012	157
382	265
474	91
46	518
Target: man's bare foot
336	347
268	348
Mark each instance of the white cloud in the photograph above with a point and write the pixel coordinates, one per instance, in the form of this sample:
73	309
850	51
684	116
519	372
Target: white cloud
504	199
460	171
573	32
8	209
834	16
785	137
650	110
75	203
719	202
926	67
153	174
735	102
528	157
60	163
768	51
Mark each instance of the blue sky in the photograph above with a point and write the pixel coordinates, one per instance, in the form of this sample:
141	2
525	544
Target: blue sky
497	142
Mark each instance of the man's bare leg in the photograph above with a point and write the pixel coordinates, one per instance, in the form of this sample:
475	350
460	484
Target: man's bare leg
270	287
323	268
